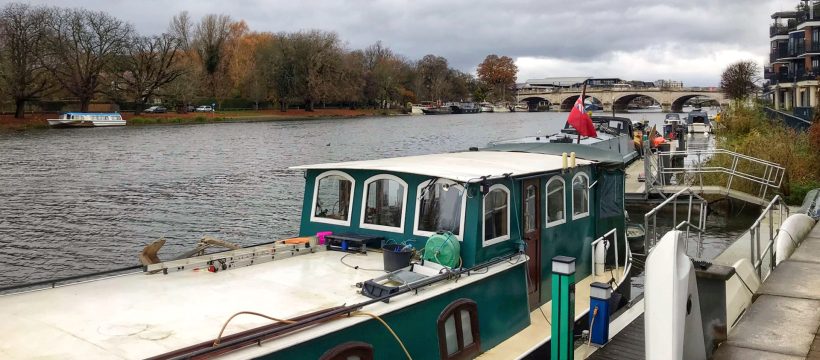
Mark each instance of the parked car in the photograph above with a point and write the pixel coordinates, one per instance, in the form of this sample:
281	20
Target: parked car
156	109
204	108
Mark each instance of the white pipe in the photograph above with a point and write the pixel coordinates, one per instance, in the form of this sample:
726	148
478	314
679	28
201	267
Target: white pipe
564	161
572	159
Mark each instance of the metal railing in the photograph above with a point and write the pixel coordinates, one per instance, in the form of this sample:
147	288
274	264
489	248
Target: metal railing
794	122
769	175
756	255
651	236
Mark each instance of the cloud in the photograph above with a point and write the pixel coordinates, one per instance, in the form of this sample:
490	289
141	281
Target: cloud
691	41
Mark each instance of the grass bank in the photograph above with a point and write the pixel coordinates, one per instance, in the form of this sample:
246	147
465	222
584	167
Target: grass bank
38	120
744	128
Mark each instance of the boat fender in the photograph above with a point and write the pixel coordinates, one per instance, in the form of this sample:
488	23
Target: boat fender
600	256
792	232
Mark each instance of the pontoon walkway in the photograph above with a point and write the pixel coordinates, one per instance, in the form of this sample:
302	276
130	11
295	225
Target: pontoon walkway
783	322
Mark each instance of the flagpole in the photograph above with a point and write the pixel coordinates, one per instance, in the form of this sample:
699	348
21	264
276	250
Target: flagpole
583	96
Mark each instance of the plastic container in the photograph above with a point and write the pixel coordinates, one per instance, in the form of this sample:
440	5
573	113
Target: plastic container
395	258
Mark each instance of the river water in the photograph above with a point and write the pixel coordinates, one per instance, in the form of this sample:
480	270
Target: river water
82	200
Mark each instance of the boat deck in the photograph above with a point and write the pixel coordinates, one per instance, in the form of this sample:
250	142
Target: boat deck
783	322
134	316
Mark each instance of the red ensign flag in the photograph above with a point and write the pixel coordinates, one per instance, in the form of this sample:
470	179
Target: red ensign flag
580	120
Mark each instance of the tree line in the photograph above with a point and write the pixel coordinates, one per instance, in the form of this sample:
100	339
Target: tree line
50	52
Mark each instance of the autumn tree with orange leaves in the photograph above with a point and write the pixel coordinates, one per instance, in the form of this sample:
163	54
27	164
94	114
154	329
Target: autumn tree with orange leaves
499	74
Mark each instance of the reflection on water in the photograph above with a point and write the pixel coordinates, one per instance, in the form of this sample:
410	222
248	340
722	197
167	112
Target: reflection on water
81	200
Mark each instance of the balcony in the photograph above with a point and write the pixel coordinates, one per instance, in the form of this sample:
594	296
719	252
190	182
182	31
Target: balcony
798	49
807	75
803	16
778	29
778	54
777	78
813	48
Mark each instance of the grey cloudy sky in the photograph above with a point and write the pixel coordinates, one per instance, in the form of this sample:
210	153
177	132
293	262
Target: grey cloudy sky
690	40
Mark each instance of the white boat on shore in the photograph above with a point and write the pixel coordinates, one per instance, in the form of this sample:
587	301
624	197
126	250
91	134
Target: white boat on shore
78	119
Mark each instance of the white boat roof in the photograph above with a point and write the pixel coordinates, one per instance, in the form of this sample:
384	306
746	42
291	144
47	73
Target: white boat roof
135	316
468	166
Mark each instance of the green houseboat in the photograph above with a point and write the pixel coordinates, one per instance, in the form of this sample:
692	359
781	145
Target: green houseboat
486	224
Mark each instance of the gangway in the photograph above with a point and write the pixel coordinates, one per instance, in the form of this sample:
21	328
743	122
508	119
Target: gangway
708	172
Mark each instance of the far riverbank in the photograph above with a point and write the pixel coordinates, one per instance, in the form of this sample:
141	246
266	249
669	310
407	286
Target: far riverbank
38	120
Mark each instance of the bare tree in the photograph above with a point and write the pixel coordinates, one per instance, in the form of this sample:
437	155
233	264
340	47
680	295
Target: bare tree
209	41
180	28
81	45
739	80
148	64
22	39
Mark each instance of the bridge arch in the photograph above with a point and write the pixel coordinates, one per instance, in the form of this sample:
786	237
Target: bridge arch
566	104
677	104
622	103
534	103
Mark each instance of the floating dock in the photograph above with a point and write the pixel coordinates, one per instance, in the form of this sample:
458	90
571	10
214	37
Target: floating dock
784	321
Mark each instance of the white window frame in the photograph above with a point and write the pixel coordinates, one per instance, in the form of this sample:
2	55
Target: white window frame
493	241
572	186
563	219
452	183
313	217
367	182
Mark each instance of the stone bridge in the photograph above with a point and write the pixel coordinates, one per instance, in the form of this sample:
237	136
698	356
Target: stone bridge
670	99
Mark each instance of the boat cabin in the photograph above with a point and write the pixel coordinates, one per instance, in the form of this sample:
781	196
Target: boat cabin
497	201
91	116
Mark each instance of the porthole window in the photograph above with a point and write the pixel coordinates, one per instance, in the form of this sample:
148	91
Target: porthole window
385	198
496	215
354	350
555	202
331	198
580	196
458	333
440	207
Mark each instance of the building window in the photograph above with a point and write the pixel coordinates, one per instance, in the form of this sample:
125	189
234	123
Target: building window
496	215
458	335
440	207
556	202
529	208
331	198
353	350
384	203
580	196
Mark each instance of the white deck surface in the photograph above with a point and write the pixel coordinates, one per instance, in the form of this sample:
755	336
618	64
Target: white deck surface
137	315
462	166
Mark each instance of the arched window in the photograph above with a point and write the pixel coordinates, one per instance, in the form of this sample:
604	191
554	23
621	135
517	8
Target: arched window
580	196
332	192
439	207
354	350
458	335
556	201
496	215
385	199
